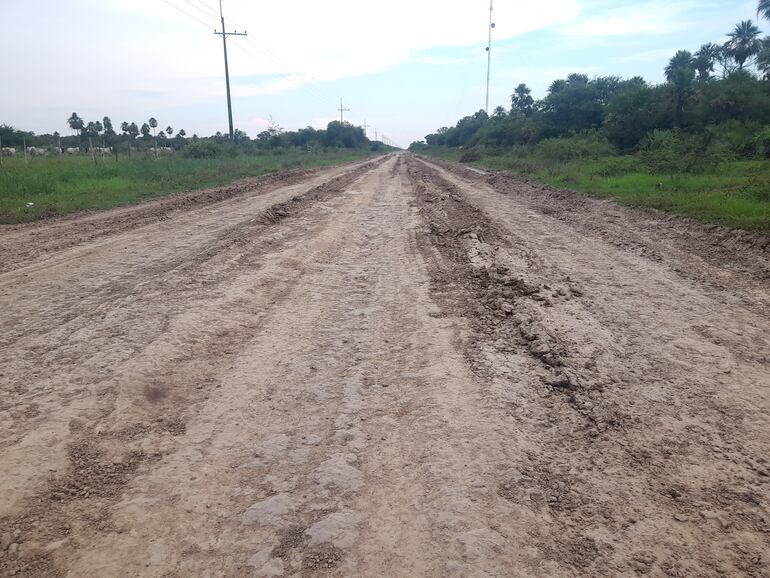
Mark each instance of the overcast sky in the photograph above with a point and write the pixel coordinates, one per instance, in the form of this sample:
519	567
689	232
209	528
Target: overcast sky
407	67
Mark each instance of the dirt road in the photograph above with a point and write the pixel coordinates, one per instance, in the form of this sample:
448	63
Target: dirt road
392	368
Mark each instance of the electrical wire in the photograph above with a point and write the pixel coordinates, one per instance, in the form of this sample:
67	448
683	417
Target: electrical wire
270	60
201	10
209	8
175	7
274	62
286	68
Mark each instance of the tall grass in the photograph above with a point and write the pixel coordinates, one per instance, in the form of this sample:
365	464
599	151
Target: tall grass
61	185
730	193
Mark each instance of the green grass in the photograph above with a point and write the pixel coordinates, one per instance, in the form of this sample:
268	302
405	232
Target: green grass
62	185
733	194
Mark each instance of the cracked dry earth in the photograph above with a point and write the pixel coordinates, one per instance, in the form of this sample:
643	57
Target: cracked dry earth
390	368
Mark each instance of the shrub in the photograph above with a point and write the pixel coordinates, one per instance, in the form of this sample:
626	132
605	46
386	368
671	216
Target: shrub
761	142
586	145
674	151
203	149
470	156
734	138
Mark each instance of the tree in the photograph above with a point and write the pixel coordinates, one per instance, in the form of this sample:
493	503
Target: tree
576	103
108	130
145	130
93	129
744	42
763	58
182	133
632	113
763	9
76	124
133	130
124	127
169	130
522	101
705	59
154	125
680	73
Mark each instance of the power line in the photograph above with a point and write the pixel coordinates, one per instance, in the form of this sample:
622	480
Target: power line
187	14
208	8
286	68
199	9
297	79
290	79
297	82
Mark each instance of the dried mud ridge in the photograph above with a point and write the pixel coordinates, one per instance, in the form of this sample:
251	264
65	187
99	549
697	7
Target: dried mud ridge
395	367
655	235
511	300
503	306
58	233
98	467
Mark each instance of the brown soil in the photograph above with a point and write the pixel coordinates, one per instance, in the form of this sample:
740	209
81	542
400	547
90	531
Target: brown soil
392	368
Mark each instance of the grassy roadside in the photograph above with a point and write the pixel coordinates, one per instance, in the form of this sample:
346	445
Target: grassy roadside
63	185
733	194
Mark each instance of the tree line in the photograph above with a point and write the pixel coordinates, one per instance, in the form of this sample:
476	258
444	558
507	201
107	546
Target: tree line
149	137
718	93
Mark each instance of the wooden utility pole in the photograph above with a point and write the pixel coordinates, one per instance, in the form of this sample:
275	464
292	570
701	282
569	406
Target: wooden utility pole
489	53
224	34
342	110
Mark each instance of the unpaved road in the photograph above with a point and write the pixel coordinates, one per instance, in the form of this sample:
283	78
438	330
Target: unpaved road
392	368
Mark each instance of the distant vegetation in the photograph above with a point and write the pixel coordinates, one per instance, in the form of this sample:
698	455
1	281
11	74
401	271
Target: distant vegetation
59	185
696	145
100	136
97	167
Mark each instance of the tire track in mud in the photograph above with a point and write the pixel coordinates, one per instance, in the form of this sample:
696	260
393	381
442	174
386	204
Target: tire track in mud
613	496
503	305
107	451
724	258
24	243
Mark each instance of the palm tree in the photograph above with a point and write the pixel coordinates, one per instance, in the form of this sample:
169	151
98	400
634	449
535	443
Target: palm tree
763	58
76	124
705	59
169	130
522	101
153	125
763	9
680	73
744	42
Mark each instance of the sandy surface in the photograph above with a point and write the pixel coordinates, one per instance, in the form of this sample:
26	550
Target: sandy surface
394	368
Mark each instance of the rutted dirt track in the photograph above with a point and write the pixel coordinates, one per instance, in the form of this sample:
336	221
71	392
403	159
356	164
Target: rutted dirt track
392	368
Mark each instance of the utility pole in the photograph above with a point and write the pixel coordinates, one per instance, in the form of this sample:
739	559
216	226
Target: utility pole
489	53
365	126
224	34
342	110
